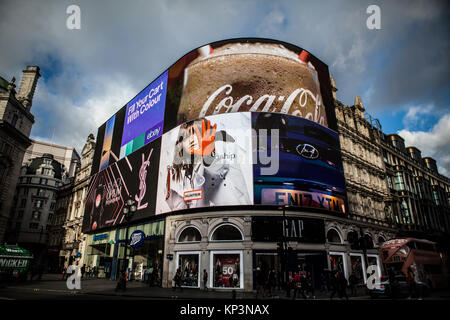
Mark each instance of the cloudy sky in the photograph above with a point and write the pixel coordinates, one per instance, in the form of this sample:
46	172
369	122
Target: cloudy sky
401	71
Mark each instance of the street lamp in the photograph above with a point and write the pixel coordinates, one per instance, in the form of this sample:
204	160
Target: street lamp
128	210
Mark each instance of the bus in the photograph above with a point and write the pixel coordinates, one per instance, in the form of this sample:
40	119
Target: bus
427	263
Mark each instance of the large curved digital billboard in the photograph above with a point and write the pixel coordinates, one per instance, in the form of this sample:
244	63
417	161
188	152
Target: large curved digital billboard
239	122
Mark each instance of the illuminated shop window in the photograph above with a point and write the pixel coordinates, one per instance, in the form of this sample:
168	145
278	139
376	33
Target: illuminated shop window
226	269
190	234
227	232
357	268
188	263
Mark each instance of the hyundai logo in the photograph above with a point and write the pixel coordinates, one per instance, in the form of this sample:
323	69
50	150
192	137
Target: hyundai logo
307	151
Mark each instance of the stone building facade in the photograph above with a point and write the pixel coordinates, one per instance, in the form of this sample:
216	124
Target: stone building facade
74	241
418	196
16	121
34	205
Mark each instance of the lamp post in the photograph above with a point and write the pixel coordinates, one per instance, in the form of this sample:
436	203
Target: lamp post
128	210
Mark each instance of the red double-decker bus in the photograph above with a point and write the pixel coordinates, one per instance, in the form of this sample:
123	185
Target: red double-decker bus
427	263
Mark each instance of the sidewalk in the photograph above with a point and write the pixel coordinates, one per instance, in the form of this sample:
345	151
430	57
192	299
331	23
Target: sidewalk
106	287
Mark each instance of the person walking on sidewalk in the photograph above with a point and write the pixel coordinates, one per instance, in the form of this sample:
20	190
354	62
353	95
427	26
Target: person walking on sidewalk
205	279
342	285
259	283
177	280
410	279
299	284
122	282
83	270
334	284
353	282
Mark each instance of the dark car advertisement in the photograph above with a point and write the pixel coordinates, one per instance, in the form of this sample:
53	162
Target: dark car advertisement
310	172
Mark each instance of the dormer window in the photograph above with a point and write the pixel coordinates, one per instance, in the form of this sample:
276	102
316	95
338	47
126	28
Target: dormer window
14	120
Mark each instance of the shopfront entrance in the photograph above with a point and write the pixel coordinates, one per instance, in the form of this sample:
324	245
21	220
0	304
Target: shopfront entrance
145	259
309	263
99	258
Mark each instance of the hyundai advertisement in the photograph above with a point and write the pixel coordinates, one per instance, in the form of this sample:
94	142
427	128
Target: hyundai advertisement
310	172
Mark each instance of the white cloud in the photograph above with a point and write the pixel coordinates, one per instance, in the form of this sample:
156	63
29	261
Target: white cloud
416	115
72	119
433	143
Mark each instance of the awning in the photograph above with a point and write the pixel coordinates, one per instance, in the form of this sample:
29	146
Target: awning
14	258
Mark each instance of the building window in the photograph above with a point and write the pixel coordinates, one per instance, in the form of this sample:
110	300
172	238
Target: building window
337	262
43	181
226	269
36	215
226	232
333	236
399	182
34	225
190	234
357	267
436	198
14	120
188	262
405	211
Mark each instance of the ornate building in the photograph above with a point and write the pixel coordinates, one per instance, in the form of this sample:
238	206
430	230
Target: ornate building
16	121
419	197
74	241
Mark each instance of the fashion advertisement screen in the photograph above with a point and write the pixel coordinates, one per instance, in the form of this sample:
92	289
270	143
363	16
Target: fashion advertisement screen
144	117
206	162
136	176
310	172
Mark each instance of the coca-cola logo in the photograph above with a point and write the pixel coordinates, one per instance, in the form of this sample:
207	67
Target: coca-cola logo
264	103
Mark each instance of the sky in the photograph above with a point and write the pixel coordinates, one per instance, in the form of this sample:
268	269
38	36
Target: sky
401	71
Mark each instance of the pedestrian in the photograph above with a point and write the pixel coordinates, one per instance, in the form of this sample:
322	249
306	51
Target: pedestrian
324	283
310	285
205	279
177	280
353	280
121	282
259	282
334	284
83	270
410	279
63	273
342	285
272	282
298	285
393	284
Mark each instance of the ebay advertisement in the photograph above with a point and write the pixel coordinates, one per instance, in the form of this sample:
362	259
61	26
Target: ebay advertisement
144	117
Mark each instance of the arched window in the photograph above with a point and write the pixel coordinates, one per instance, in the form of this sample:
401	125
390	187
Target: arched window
190	234
226	232
381	240
334	236
369	241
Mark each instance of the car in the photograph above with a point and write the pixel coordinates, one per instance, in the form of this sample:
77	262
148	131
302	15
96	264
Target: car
401	289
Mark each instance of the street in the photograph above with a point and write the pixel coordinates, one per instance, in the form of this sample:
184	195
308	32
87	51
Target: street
52	286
